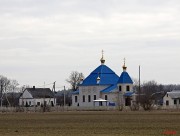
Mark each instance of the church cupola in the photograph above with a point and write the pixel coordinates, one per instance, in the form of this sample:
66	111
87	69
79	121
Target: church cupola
124	77
81	80
124	66
98	79
102	59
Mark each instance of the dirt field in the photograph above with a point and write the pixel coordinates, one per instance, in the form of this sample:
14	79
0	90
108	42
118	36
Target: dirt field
90	124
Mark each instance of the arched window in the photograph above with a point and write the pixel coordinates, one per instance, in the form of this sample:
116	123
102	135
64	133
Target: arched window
120	88
106	97
75	98
83	98
127	88
89	98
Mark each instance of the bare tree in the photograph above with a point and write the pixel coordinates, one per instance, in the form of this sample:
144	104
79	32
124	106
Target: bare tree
74	79
60	97
4	83
148	89
11	94
22	88
135	84
13	85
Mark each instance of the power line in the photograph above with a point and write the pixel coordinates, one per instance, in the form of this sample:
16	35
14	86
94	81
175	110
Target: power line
46	84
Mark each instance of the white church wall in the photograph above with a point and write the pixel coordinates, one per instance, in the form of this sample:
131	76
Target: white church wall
89	91
124	87
75	103
111	97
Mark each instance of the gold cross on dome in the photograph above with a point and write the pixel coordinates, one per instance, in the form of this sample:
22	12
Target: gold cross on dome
124	61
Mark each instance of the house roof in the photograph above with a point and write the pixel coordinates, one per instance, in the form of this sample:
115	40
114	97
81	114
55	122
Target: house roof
125	78
40	92
106	75
174	94
75	92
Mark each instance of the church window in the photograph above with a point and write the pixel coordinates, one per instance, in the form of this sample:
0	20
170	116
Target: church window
75	98
120	88
83	98
89	98
167	95
127	88
175	102
94	97
106	97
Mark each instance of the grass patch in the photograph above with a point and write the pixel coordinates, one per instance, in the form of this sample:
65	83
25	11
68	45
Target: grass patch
89	123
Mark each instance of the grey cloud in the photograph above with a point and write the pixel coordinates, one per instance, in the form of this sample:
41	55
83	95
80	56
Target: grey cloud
64	35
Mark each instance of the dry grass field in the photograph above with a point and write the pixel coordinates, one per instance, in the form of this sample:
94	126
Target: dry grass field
90	124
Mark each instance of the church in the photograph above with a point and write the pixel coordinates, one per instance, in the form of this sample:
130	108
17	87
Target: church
103	87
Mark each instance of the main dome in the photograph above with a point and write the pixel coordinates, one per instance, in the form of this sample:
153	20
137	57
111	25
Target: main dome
106	75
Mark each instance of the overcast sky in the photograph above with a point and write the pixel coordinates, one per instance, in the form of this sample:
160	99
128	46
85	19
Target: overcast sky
44	40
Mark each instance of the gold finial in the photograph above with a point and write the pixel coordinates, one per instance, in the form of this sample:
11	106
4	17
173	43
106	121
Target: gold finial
102	59
124	66
81	79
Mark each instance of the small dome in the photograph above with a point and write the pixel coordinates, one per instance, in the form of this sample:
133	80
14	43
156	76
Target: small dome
125	78
102	61
98	78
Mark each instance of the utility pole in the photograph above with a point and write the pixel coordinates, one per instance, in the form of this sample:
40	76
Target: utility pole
44	105
64	98
1	93
139	83
54	86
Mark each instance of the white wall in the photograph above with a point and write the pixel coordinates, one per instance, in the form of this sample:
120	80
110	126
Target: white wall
33	102
89	90
26	94
123	87
171	102
112	97
27	97
95	90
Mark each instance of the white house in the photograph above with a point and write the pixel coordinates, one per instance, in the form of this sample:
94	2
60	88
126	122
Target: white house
37	97
172	99
103	87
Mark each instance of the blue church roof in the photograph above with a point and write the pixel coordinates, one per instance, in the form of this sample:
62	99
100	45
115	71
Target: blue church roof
128	93
125	78
107	77
109	89
75	92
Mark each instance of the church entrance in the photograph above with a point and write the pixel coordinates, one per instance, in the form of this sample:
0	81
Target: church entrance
128	101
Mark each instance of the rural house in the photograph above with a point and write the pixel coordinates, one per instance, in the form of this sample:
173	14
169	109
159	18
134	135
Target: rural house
172	99
103	87
37	97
